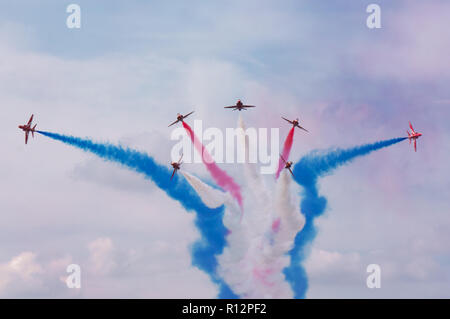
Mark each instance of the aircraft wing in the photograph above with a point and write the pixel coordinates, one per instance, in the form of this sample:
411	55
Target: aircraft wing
230	107
286	120
248	106
184	116
173	123
410	125
26	137
302	128
174	170
290	171
179	161
281	156
415	145
30	120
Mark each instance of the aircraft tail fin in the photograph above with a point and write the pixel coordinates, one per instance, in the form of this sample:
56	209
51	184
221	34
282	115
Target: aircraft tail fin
33	129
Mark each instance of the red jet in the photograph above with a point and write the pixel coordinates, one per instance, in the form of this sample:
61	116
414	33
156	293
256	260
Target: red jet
287	165
413	136
27	129
295	123
239	106
176	166
180	118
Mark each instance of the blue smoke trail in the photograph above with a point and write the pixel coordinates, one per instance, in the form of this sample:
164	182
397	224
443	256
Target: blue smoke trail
208	221
306	173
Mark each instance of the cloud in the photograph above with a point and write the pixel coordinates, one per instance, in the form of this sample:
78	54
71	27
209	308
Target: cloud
20	273
332	266
101	255
415	46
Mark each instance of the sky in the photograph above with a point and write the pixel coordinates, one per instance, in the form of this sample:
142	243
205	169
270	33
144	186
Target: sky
133	65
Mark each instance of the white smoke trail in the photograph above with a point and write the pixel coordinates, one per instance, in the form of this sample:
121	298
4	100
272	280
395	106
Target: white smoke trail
211	197
289	222
256	255
252	263
260	205
214	198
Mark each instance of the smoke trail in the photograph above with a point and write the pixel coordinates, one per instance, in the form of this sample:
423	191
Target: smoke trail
211	197
253	261
260	198
286	150
288	222
259	256
208	221
219	176
306	172
237	264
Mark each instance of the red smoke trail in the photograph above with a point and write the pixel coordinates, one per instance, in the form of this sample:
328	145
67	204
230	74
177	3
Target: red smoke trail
219	176
286	151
